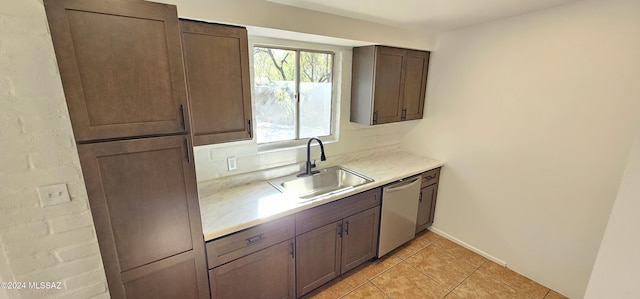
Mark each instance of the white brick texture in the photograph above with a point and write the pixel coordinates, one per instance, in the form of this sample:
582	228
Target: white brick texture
40	244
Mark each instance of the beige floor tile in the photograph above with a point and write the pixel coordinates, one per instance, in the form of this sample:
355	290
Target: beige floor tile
441	266
428	236
375	268
319	293
483	286
554	295
515	280
452	295
404	281
429	267
366	291
411	247
460	252
339	287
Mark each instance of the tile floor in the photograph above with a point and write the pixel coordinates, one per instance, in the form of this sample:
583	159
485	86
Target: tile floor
433	267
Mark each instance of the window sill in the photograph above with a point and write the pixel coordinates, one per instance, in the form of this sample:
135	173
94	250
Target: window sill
291	144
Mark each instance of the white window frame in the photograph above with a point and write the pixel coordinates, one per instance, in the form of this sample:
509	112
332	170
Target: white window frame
337	52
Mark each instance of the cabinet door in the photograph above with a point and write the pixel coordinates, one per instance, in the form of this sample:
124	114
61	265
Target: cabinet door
121	67
267	274
389	81
426	207
144	204
217	66
174	277
415	84
360	238
318	257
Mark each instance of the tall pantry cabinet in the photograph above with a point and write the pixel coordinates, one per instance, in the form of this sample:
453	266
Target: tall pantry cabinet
122	72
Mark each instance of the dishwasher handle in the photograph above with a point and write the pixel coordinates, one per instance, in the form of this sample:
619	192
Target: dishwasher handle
402	185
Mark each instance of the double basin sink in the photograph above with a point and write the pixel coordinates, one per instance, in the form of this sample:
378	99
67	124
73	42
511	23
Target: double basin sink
327	182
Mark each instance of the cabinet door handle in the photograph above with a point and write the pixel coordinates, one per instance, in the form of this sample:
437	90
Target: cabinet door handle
255	239
184	117
403	116
403	186
346	227
375	117
420	198
250	128
292	250
340	230
186	148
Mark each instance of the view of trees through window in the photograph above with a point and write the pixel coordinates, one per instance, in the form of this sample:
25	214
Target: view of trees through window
280	75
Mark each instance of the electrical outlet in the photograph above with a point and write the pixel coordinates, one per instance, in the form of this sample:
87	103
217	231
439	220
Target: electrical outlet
54	194
232	163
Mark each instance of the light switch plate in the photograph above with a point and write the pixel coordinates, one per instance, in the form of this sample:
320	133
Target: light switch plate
53	194
232	163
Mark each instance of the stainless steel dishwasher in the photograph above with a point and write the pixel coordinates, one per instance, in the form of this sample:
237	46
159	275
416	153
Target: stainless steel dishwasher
399	214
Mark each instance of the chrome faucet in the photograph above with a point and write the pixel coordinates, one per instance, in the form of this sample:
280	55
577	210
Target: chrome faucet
310	165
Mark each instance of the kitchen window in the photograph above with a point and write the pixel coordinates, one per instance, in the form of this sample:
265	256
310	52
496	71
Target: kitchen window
293	93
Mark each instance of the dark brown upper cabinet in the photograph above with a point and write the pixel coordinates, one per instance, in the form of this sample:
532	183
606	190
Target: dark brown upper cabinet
217	66
388	84
121	67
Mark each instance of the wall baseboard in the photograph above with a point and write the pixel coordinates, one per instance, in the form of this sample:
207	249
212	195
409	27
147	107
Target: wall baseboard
467	246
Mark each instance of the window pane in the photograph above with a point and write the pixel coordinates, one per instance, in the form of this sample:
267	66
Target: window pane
274	80
315	94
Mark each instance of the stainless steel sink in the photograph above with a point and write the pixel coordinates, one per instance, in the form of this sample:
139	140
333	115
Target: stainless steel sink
328	181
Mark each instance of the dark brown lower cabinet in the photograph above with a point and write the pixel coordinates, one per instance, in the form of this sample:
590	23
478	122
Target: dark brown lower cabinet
266	274
359	238
426	207
428	196
258	262
144	203
326	252
293	255
318	256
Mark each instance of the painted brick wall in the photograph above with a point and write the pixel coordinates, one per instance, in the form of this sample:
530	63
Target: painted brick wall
40	244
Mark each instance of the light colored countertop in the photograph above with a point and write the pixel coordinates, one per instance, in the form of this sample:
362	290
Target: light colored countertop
236	208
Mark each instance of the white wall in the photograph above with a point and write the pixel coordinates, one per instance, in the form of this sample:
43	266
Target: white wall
55	243
617	267
534	117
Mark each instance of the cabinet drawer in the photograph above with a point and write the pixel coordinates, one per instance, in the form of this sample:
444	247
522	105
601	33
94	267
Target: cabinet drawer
334	211
250	240
430	177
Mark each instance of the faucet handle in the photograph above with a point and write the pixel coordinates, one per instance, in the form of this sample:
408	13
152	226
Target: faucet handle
313	164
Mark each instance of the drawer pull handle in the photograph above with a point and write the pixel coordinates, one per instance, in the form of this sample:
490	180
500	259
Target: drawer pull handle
184	117
256	239
429	177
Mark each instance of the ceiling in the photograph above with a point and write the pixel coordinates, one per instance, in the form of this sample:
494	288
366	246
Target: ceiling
425	15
